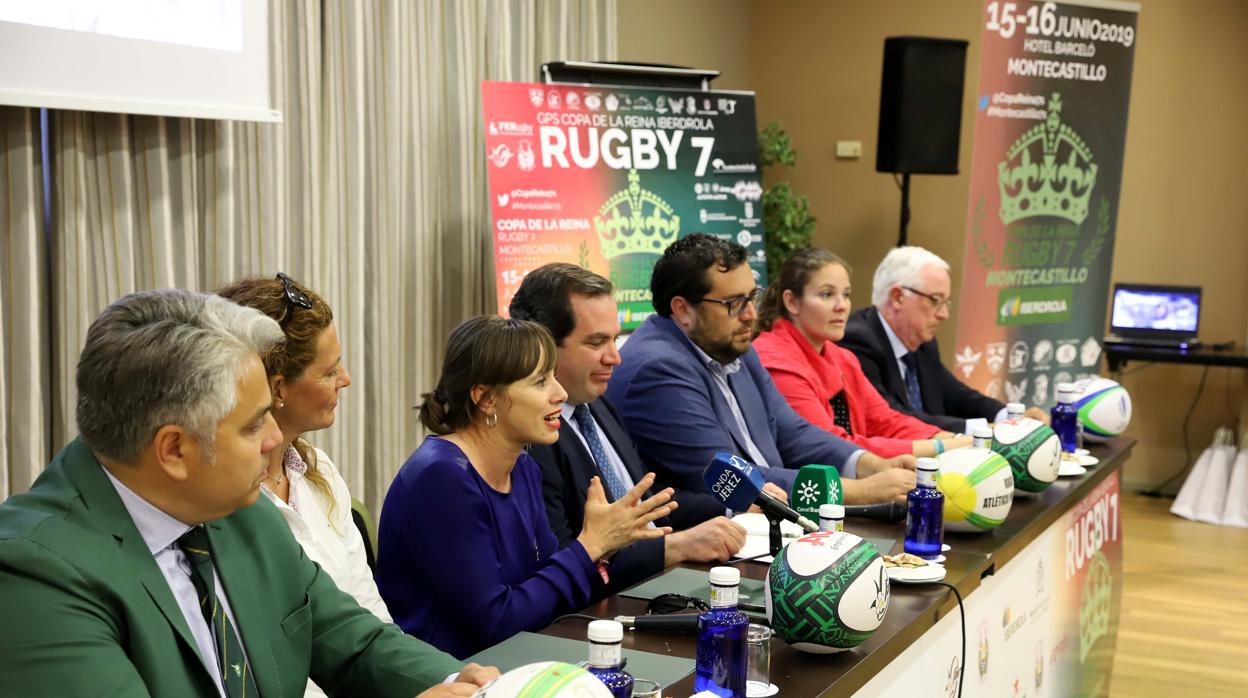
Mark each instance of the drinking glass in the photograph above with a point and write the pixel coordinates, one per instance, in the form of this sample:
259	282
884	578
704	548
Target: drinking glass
645	688
758	646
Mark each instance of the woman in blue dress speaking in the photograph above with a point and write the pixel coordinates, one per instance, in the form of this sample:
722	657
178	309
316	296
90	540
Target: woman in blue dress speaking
466	556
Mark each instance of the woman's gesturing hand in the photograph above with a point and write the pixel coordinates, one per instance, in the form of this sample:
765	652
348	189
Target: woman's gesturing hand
610	526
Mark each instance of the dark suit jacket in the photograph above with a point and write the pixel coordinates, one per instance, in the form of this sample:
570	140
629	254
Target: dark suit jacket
947	401
566	470
679	419
87	611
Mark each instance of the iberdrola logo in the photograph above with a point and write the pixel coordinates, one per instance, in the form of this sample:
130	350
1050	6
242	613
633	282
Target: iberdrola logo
634	226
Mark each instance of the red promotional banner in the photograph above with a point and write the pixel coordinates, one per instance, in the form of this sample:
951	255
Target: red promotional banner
608	177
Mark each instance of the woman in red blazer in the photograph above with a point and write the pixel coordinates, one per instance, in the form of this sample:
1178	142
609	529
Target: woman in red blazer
803	315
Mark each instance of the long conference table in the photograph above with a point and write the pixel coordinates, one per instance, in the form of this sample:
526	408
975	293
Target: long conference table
1041	596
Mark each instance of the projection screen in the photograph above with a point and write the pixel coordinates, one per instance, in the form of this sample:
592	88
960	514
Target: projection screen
193	58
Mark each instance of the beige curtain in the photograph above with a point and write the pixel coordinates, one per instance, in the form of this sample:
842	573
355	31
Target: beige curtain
25	398
372	192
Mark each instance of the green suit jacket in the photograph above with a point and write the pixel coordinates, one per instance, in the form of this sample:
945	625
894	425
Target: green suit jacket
85	611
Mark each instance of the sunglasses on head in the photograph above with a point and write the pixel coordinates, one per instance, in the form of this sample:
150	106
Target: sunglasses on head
294	298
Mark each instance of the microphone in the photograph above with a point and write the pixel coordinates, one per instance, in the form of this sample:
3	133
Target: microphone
815	485
668	621
738	484
888	511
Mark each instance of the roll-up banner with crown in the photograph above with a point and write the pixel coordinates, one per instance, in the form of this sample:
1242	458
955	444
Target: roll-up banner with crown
608	177
1050	129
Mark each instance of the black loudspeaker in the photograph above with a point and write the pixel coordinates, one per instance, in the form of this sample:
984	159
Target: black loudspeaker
920	105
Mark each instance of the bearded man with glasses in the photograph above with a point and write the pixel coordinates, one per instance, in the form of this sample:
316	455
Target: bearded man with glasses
896	343
690	385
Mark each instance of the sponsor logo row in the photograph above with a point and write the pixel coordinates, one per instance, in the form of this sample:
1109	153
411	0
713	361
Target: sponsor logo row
574	100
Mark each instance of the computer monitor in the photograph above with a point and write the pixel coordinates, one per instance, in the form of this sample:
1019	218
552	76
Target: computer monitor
1155	312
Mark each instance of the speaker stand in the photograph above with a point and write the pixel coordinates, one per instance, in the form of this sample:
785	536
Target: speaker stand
905	208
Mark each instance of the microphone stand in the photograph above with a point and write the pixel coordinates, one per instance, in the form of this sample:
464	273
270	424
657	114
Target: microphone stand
774	537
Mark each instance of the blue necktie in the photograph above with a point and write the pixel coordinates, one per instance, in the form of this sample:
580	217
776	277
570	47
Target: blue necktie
912	382
610	478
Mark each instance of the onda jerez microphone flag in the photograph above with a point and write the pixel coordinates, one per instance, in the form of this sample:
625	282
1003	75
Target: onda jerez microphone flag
738	484
733	480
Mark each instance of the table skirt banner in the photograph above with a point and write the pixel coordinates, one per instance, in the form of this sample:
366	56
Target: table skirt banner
607	177
1046	168
1044	625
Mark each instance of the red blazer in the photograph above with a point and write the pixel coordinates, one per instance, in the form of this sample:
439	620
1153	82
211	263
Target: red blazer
808	379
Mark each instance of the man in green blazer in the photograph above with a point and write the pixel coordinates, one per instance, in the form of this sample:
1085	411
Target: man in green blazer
143	563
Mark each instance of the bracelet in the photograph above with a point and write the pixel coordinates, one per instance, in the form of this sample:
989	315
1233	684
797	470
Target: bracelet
940	446
602	565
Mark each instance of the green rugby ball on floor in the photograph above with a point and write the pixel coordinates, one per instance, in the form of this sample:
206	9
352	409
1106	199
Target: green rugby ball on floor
1032	449
978	485
827	592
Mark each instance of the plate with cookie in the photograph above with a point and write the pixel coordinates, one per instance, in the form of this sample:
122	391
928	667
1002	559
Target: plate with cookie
912	569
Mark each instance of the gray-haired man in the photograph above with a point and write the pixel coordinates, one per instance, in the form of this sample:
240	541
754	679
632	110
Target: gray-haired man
141	561
895	340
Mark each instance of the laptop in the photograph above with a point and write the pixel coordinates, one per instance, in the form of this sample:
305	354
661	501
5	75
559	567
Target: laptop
1155	315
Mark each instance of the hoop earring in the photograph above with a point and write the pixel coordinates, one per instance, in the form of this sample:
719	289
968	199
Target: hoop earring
491	420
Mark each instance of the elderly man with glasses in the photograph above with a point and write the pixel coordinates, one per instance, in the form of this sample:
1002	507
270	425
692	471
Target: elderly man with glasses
689	384
896	343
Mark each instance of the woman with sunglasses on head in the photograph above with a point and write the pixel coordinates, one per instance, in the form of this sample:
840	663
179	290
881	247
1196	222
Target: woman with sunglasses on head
305	374
466	556
803	316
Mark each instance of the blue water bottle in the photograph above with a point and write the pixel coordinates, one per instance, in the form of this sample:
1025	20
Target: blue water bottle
605	657
722	649
1065	417
925	522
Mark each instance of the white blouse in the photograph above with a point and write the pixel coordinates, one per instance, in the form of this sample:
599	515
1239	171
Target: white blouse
336	546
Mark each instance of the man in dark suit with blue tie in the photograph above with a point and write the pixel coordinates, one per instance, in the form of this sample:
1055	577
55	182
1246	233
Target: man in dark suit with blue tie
691	385
577	307
896	343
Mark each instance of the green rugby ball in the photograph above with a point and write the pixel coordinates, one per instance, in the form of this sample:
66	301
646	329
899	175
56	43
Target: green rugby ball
1032	449
827	592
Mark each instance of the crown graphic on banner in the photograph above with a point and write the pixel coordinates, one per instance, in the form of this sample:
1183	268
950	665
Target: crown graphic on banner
635	221
1047	172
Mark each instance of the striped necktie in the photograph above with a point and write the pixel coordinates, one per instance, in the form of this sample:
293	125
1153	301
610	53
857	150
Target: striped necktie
235	672
610	478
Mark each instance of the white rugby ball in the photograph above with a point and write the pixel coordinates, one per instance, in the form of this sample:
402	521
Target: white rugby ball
1104	408
545	680
978	485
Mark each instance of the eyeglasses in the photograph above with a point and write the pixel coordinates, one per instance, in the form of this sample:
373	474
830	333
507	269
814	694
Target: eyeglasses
674	603
937	302
294	298
737	304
